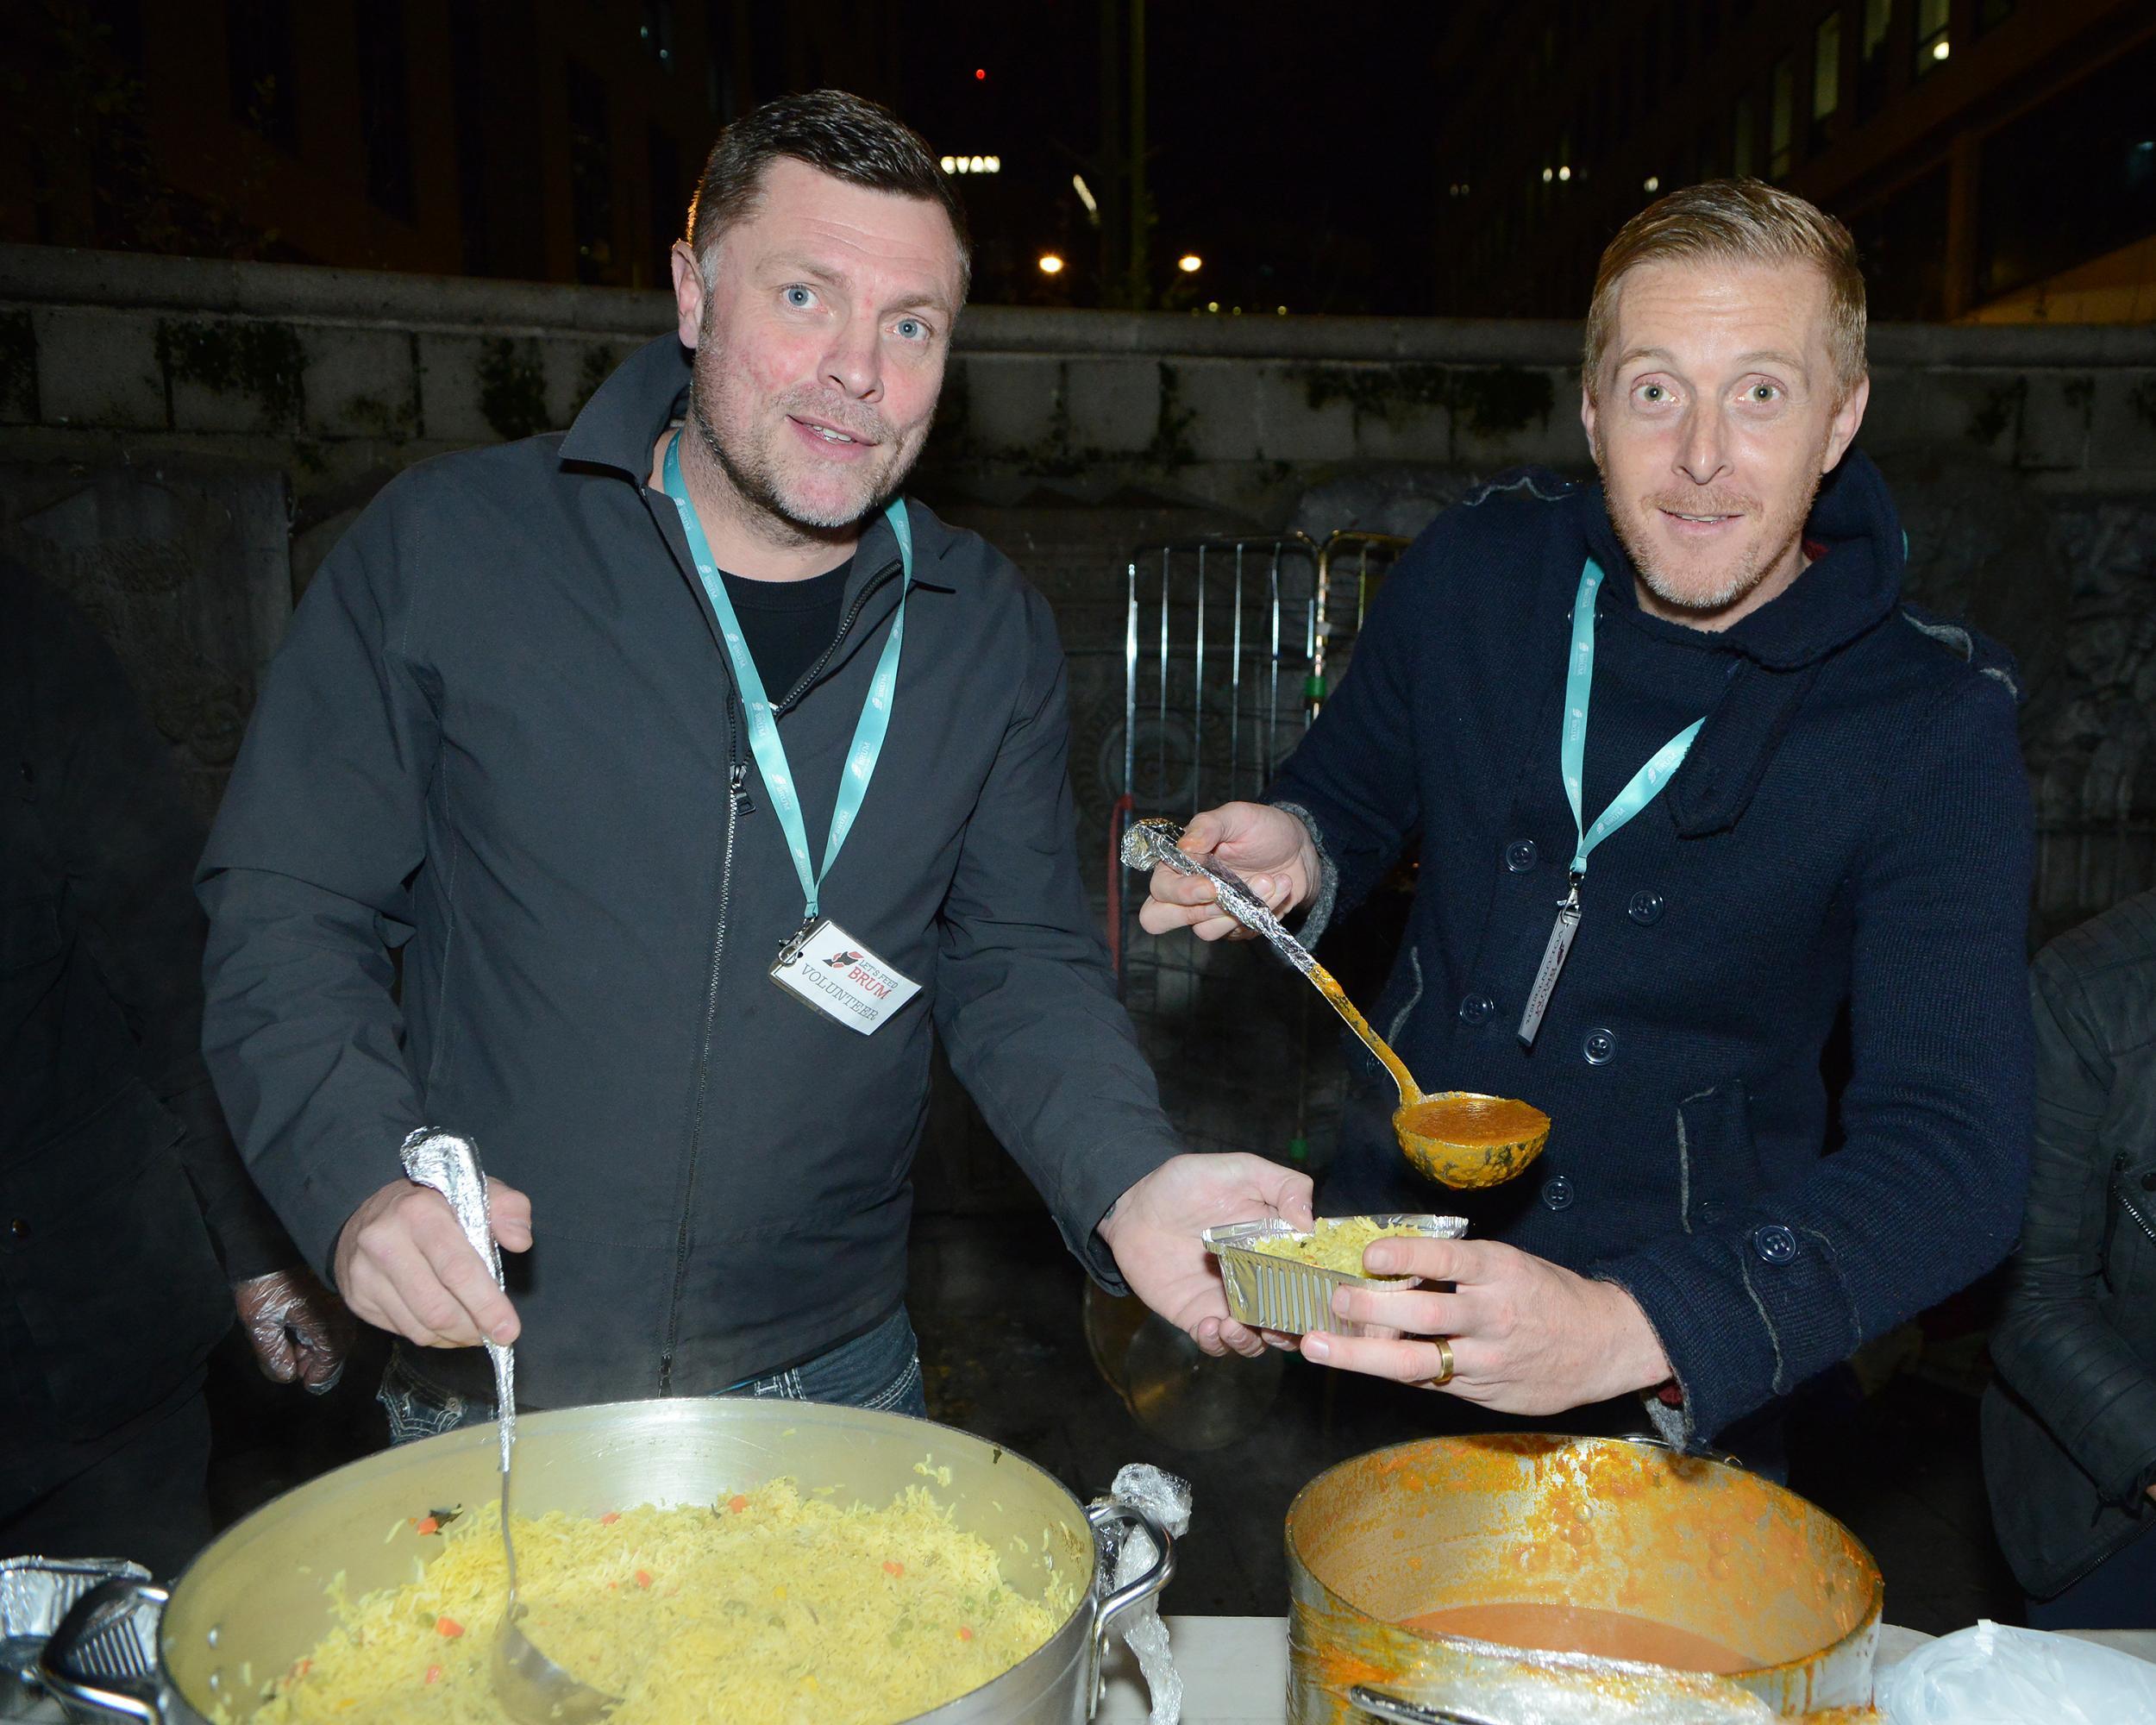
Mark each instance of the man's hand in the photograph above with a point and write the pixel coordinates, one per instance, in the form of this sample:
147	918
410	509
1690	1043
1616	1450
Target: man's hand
1526	1336
1153	1231
405	1265
1267	848
300	1331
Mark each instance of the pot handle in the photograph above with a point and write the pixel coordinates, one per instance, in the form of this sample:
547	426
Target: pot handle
1396	1711
103	1637
1655	1441
1121	1601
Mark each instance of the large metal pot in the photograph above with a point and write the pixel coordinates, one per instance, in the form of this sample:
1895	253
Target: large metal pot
1615	1524
255	1600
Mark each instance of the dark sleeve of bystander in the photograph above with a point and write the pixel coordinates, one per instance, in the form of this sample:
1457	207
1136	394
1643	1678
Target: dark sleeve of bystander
2055	1347
126	843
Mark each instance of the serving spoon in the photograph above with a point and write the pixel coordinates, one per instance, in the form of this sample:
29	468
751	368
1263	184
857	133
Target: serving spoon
532	1689
1426	1125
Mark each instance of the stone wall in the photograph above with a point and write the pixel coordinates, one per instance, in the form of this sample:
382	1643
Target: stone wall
2025	458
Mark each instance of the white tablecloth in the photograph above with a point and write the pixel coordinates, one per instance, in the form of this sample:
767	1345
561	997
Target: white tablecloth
1235	1669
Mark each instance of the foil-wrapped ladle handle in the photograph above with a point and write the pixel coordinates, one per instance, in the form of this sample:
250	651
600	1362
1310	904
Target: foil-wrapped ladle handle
1155	842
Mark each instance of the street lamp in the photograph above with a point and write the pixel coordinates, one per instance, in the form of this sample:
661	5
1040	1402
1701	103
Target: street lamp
1050	264
1190	263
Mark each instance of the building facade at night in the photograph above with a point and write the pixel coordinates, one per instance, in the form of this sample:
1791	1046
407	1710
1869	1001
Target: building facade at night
542	140
1996	158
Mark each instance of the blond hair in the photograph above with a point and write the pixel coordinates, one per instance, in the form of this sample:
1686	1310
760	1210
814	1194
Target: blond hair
1744	221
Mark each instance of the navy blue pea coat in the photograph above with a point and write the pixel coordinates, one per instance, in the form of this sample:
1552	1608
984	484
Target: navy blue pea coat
1849	835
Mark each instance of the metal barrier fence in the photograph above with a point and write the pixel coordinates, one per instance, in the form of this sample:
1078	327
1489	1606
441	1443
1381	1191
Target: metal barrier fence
1230	647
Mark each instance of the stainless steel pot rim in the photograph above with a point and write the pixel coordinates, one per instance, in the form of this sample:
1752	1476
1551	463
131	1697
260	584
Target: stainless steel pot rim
614	1435
1866	1628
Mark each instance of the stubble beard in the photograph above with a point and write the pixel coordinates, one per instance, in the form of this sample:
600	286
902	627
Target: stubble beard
1759	559
758	482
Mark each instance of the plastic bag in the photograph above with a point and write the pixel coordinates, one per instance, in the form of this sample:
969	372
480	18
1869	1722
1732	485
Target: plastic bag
1167	1500
1996	1675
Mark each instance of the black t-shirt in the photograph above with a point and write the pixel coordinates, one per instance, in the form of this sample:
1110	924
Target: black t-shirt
788	625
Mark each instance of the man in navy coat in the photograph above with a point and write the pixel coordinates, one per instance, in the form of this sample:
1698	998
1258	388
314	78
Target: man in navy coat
1688	784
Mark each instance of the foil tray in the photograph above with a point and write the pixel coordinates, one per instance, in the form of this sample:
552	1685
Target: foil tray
1296	1298
35	1593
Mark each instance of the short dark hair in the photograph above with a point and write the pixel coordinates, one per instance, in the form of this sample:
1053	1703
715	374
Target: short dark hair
845	136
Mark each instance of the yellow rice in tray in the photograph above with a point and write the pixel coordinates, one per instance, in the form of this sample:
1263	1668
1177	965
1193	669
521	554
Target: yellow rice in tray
1337	1244
768	1606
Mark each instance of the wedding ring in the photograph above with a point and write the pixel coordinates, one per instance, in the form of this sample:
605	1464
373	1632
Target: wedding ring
1445	1363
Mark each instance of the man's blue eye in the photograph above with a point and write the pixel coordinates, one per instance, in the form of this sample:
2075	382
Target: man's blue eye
798	296
911	328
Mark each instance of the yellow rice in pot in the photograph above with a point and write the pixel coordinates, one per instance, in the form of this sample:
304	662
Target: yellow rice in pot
770	1605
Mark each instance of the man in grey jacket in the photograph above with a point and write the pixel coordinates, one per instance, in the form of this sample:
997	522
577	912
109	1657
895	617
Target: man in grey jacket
701	781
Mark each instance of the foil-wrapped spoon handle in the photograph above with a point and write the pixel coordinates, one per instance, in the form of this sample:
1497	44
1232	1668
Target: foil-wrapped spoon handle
532	1689
1155	842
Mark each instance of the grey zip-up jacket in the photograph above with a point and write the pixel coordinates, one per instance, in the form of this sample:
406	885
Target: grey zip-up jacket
501	738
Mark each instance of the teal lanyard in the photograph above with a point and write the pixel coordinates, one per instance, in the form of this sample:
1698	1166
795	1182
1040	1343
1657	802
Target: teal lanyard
763	725
1579	685
1645	786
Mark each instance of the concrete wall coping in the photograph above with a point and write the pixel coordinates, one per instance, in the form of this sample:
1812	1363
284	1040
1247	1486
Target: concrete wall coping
52	276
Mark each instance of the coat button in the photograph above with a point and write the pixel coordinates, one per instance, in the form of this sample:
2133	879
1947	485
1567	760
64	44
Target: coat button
2148	1181
1519	855
1646	908
1476	1009
1600	1047
1774	1243
1557	1193
29	773
19	1228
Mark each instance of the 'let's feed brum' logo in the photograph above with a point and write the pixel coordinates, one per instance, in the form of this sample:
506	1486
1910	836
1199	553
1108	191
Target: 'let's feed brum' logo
839	960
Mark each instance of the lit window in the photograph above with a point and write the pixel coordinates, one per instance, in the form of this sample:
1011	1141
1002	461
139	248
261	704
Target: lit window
1872	58
1932	45
1781	118
1826	66
1878	16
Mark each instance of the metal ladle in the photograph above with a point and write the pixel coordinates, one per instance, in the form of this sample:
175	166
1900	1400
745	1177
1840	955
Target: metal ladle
1154	841
532	1689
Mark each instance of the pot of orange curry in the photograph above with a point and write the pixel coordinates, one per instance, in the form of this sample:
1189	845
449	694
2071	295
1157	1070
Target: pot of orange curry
1537	1576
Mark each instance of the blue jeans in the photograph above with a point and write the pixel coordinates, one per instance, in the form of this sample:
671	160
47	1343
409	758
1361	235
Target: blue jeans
881	1369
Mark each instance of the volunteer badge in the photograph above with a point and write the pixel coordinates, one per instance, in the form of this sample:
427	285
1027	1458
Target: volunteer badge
837	975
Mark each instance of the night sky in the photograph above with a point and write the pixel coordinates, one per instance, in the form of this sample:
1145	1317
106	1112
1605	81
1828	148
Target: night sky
1295	160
